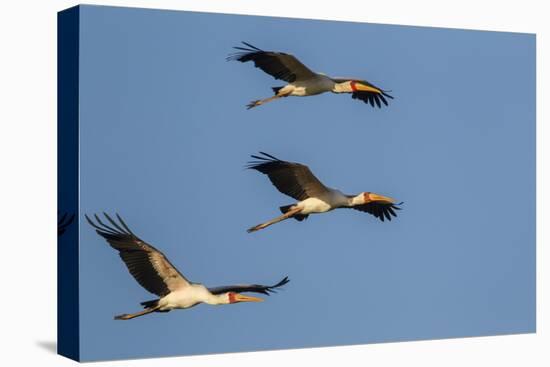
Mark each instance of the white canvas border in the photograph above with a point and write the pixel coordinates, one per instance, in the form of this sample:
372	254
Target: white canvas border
28	146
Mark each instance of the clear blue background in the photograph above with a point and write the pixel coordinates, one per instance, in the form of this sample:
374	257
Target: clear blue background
165	135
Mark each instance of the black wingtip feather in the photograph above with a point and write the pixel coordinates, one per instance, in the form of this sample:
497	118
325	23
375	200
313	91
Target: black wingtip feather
383	99
105	225
273	288
63	222
270	156
124	224
258	157
105	230
377	100
251	46
244	53
261	161
114	223
100	229
90	221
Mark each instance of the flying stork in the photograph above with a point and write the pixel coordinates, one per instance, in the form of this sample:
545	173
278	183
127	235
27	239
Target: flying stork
154	272
297	181
302	81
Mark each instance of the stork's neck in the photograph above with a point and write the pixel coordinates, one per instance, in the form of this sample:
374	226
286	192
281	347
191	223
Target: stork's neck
216	299
200	294
344	87
354	200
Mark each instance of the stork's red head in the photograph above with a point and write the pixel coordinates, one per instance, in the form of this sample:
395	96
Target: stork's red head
234	297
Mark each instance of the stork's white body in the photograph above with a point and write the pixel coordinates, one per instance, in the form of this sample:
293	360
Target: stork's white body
332	199
190	296
320	84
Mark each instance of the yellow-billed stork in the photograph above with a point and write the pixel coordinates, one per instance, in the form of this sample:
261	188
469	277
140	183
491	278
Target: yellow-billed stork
297	181
302	81
154	272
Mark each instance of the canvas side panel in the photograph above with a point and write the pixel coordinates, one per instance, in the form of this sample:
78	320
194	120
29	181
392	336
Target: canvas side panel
67	183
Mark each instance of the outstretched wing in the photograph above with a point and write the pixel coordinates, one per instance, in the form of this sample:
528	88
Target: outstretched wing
380	209
365	91
63	222
292	179
148	266
277	64
257	288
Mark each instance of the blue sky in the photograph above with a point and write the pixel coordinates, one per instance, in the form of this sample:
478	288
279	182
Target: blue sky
165	136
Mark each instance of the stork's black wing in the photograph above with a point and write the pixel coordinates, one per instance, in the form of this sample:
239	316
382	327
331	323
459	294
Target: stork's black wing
151	269
380	209
293	179
256	288
277	64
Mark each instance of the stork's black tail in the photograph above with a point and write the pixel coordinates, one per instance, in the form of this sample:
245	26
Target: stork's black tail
150	304
276	89
298	217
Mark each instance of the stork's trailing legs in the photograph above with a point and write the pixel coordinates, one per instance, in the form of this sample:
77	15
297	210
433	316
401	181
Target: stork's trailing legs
262	101
128	316
287	215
